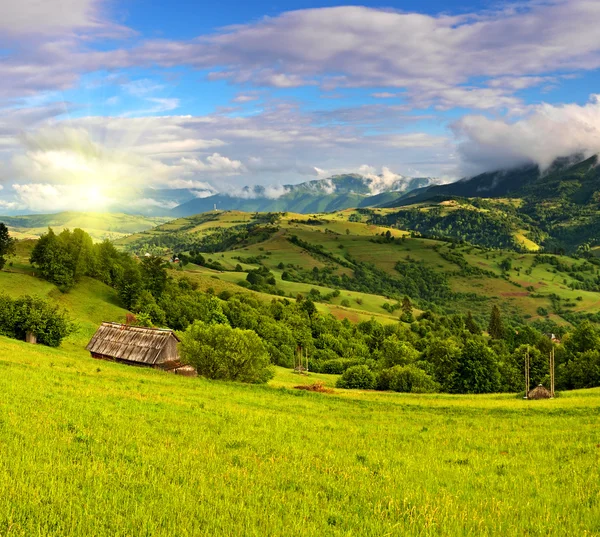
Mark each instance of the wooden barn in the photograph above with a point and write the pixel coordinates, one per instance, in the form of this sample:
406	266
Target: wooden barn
136	345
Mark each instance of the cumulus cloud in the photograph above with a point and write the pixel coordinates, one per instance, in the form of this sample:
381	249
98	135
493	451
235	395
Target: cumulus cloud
215	163
29	16
544	134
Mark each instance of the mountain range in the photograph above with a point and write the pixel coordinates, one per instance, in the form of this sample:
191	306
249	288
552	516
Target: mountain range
322	195
574	180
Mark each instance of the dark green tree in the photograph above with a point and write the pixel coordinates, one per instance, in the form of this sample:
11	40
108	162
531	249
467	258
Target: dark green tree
51	257
358	377
477	370
496	327
154	275
471	325
7	245
407	310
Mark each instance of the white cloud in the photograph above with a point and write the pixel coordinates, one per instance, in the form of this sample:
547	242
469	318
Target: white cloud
384	95
245	98
544	134
48	15
214	163
437	57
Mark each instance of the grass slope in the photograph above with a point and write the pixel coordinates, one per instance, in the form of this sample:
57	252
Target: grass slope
99	225
94	448
522	291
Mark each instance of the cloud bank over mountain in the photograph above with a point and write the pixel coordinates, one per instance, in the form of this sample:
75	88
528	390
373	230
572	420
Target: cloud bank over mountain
546	133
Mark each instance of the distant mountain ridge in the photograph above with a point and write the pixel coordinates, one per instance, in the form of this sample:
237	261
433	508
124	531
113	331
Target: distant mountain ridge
321	195
573	179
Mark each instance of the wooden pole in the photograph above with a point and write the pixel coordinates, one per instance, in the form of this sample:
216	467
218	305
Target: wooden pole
552	372
527	374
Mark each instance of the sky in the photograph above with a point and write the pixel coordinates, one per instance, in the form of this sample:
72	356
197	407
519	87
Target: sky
106	102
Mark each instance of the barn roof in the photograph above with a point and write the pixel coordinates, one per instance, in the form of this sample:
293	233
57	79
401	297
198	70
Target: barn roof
132	343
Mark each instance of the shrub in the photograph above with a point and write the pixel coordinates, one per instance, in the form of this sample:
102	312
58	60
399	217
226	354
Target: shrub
357	377
32	314
407	379
221	352
336	366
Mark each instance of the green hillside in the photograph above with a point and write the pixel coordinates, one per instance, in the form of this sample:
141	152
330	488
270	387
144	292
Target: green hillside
559	207
95	448
331	247
99	225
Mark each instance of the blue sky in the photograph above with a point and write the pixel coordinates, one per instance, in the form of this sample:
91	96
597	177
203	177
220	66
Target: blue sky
105	102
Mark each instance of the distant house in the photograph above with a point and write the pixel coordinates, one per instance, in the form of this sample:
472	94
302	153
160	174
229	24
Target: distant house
136	345
553	337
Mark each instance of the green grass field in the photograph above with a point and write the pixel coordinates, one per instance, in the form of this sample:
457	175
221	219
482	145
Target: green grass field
95	448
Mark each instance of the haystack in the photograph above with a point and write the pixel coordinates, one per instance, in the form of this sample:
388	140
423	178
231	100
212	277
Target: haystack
539	392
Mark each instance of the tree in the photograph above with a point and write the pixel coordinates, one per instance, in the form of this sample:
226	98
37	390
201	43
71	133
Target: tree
496	327
477	370
397	352
358	377
408	379
444	357
7	245
471	325
221	352
505	265
154	275
407	310
32	314
52	259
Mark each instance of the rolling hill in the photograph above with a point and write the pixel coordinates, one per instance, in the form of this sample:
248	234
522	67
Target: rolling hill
98	448
99	225
560	208
333	251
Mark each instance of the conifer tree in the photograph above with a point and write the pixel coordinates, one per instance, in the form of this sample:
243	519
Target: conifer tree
496	328
471	325
7	244
407	310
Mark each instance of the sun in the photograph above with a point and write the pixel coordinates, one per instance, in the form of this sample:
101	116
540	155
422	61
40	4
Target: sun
92	197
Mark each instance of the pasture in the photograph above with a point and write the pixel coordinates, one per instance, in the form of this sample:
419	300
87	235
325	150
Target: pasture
95	448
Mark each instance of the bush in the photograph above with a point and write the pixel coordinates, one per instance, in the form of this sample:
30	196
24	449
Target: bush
32	314
357	377
336	366
407	379
221	352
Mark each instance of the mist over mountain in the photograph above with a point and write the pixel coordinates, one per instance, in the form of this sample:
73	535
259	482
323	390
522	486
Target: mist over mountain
575	179
321	195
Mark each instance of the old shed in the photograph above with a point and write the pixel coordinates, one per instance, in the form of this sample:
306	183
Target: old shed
136	345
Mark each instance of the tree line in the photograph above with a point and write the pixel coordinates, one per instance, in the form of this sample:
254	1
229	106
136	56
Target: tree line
447	353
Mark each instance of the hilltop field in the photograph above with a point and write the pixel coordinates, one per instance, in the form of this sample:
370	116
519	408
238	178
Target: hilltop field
95	448
516	278
100	226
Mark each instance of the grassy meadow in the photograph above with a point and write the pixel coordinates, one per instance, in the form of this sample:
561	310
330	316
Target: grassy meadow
95	448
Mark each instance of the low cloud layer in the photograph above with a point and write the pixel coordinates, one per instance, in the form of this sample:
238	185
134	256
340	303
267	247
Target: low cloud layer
546	133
